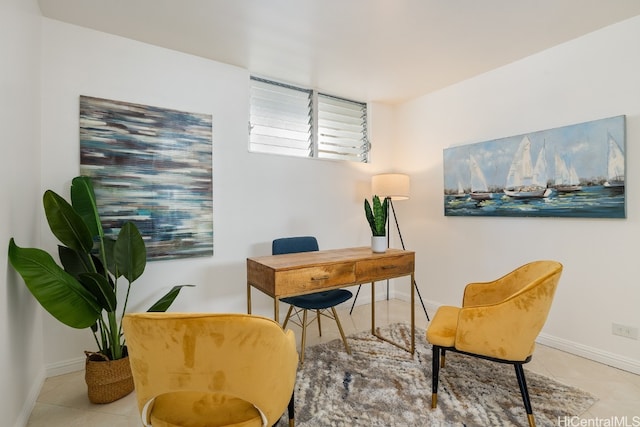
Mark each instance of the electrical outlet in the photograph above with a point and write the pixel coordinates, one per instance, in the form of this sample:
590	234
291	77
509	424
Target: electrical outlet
624	331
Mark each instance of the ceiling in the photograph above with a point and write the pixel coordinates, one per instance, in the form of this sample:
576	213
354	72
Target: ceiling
370	50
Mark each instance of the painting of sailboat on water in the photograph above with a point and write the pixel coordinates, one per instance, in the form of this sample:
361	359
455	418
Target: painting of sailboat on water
572	171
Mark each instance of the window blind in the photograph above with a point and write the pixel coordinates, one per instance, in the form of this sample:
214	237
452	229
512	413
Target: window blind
280	119
342	129
294	121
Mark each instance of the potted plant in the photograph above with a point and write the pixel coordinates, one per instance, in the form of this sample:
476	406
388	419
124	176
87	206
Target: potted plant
377	218
83	293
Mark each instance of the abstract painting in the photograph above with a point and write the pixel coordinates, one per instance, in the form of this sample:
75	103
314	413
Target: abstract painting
151	166
571	171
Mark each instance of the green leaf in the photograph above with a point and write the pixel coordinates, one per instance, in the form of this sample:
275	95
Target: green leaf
385	209
130	252
84	203
99	286
165	302
66	224
381	218
369	214
109	245
74	262
56	290
377	215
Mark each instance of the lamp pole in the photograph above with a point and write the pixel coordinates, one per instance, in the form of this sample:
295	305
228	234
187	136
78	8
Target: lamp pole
403	248
392	186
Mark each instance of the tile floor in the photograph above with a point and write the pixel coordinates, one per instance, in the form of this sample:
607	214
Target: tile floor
63	400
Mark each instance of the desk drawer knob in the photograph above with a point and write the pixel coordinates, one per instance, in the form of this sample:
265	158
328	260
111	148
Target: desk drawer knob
320	277
388	267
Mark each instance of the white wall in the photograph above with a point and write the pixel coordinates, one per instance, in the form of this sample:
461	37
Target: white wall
21	349
256	197
590	78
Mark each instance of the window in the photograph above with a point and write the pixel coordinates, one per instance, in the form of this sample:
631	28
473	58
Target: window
300	122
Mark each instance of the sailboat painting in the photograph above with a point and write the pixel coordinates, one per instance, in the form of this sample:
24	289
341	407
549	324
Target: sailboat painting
573	171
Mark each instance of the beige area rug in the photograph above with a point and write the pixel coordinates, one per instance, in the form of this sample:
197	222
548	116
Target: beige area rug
381	385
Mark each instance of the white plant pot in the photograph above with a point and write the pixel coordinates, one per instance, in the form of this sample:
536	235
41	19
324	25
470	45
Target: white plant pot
379	244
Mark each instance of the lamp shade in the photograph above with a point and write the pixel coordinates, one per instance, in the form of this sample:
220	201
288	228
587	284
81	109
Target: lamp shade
392	185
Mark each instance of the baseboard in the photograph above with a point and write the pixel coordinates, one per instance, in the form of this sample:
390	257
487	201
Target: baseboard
404	295
66	366
363	297
31	399
591	353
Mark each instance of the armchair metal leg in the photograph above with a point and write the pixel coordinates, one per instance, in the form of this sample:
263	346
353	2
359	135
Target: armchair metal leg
522	382
290	410
435	368
291	407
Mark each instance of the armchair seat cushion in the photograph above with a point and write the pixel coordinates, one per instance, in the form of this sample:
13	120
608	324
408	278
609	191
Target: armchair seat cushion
443	326
198	409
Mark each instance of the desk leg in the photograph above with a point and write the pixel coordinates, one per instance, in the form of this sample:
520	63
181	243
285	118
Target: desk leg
412	347
276	305
373	308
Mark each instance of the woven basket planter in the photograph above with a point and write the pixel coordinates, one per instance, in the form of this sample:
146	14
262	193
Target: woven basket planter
107	380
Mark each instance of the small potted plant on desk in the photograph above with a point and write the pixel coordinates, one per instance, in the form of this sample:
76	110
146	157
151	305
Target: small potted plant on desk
377	218
83	292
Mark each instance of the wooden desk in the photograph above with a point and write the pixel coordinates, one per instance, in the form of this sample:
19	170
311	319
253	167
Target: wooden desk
281	276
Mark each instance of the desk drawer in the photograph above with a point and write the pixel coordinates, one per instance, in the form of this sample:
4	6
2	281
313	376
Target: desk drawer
311	279
384	268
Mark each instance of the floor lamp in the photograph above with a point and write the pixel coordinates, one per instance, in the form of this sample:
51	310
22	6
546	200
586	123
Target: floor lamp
392	186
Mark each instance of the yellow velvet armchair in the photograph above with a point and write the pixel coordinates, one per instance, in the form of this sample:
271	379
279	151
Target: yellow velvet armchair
498	321
197	369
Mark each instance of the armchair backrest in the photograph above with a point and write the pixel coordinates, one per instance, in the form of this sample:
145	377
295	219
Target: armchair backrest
504	317
242	355
510	284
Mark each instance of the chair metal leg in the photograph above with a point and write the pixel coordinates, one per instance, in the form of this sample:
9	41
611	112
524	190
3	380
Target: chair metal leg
286	319
522	382
435	368
344	339
442	357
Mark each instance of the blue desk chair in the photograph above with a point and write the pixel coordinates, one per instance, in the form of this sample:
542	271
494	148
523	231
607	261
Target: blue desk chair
320	302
